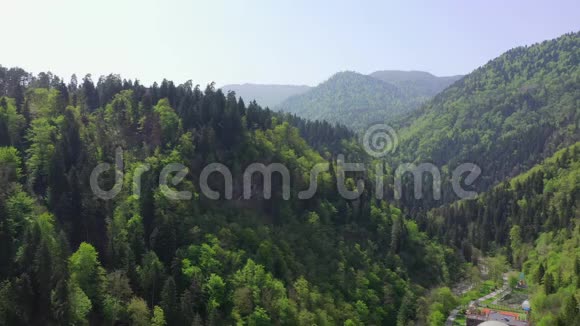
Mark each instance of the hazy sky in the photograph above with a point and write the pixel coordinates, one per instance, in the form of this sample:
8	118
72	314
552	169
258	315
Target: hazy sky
290	42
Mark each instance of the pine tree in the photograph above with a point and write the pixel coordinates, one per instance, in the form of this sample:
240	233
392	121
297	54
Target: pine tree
540	274
406	309
151	274
19	96
90	94
548	284
4	133
169	301
62	99
397	235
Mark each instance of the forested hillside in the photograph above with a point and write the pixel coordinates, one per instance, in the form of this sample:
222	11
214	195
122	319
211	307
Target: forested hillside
543	199
553	269
266	94
352	99
68	257
506	116
534	219
518	110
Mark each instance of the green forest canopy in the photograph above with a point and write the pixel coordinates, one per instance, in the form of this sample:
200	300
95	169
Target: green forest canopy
70	258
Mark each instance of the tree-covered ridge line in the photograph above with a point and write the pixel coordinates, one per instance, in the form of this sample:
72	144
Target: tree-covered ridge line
70	258
417	84
506	116
541	200
358	100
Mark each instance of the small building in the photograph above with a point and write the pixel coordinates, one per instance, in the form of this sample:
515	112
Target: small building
483	316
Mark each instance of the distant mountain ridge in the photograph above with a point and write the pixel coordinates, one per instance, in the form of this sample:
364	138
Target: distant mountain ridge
357	100
267	95
416	83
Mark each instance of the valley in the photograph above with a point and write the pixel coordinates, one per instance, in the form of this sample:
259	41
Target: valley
125	203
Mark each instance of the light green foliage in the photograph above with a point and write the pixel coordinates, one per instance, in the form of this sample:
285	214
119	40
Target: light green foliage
496	266
169	121
19	212
121	111
259	318
251	283
436	318
513	280
215	289
80	305
158	318
125	233
440	302
10	165
558	252
445	297
190	271
42	102
138	312
205	259
284	144
42	136
86	271
516	243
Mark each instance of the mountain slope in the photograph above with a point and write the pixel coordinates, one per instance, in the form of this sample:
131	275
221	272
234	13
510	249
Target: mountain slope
535	219
352	99
69	257
358	100
416	83
505	116
266	95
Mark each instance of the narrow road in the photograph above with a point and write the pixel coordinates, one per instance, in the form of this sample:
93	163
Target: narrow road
454	312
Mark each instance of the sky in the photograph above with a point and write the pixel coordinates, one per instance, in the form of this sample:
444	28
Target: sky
280	42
